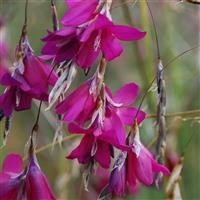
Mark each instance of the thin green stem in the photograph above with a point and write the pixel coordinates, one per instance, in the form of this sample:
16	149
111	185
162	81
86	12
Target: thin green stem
189	113
49	145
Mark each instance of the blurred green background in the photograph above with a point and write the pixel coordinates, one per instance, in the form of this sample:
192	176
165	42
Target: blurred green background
178	26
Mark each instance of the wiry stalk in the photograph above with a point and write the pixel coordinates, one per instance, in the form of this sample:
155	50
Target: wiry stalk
161	104
160	118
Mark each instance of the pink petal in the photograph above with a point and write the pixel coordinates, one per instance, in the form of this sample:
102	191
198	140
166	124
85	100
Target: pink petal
79	13
73	105
110	46
60	34
160	168
88	53
13	163
131	177
127	115
126	94
127	33
102	155
156	167
37	186
113	132
10	190
75	128
39	83
83	151
143	168
48	71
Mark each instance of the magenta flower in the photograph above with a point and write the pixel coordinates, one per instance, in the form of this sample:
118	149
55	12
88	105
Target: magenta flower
102	35
36	184
108	114
11	178
30	79
98	140
16	183
89	31
135	165
81	104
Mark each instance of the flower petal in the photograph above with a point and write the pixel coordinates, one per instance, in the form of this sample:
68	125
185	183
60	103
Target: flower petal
127	33
12	164
127	115
83	151
143	168
79	12
113	132
88	52
126	94
102	155
110	46
37	186
72	106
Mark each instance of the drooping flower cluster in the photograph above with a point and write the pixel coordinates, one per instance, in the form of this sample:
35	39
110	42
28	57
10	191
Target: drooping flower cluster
106	114
88	30
88	33
30	183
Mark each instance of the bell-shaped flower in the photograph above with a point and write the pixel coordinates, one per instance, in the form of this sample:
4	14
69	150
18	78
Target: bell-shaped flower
36	184
29	79
135	165
101	35
142	163
98	140
11	178
16	183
